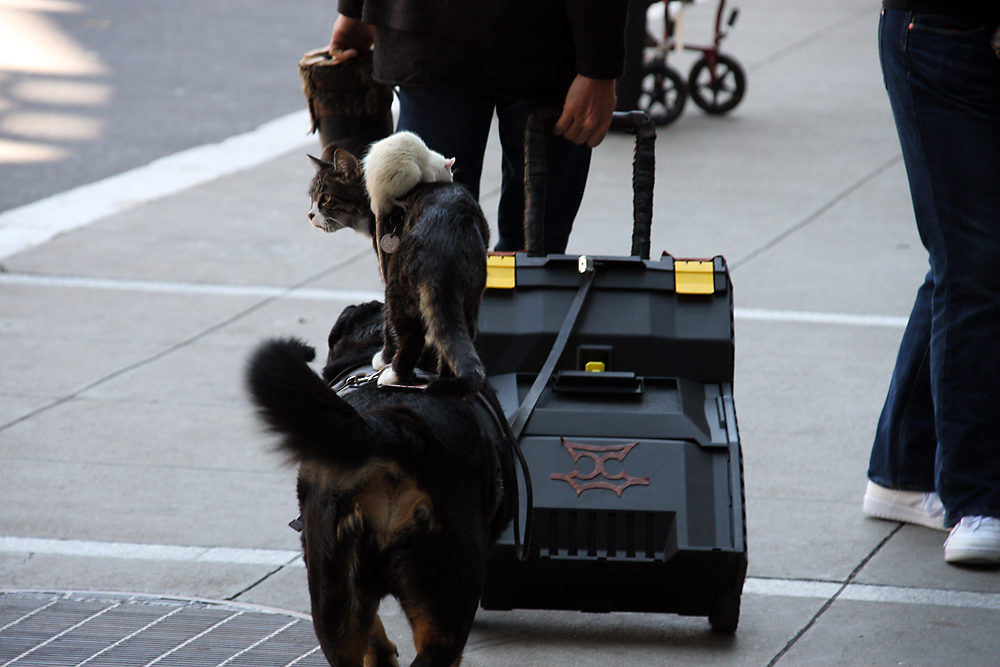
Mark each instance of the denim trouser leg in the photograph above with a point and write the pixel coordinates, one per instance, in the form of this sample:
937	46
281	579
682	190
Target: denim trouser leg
457	124
452	123
943	81
905	442
568	167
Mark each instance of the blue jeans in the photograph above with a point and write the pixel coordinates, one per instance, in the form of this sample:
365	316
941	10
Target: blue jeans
457	124
940	426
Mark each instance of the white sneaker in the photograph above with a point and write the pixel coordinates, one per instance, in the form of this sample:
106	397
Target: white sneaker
923	509
974	540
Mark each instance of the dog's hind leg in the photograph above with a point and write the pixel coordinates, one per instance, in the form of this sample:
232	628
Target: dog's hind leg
381	651
344	615
439	641
348	633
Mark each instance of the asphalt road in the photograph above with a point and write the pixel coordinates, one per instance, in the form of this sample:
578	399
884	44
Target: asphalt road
92	88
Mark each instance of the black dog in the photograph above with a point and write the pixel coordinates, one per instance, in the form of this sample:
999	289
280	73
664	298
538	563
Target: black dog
402	493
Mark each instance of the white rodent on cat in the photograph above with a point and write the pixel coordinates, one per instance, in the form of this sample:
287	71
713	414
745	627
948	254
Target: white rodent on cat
396	164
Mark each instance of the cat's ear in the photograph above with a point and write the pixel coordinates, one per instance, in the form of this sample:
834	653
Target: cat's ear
449	163
328	151
320	165
347	164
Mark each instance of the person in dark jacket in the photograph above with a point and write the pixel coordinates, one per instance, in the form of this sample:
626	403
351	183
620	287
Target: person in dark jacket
936	456
457	62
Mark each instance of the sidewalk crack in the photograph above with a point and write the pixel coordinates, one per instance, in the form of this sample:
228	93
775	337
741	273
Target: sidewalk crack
829	603
170	349
818	213
235	596
811	38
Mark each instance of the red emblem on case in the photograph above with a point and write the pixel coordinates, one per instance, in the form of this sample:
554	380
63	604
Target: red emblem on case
599	455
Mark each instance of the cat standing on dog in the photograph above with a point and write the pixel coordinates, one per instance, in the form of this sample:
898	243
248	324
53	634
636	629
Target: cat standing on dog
432	258
402	493
341	193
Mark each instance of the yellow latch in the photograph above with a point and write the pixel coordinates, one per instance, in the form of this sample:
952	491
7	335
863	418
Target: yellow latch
594	367
500	271
694	277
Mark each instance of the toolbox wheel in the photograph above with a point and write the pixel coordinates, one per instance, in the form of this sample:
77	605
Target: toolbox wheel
721	93
725	613
664	92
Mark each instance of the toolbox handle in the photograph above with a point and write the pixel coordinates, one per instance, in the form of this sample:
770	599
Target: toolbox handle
603	382
539	125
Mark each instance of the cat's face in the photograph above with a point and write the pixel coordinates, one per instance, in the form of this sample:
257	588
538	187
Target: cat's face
339	199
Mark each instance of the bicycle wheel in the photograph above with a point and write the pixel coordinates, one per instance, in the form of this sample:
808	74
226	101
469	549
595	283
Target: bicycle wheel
720	93
664	92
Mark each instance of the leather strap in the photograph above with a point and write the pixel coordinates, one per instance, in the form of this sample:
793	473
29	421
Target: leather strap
531	399
523	413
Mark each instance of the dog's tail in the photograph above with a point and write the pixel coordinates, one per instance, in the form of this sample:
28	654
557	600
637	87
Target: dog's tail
314	421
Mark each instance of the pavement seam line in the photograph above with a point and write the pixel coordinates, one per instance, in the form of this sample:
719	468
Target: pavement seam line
156	552
138	364
829	603
810	39
334	294
21	229
286	558
818	213
180	344
257	583
183	288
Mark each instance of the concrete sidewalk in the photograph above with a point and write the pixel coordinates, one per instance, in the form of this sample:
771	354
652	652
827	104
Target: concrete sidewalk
131	460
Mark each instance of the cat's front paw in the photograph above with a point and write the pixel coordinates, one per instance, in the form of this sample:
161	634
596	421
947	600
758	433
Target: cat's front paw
388	376
378	361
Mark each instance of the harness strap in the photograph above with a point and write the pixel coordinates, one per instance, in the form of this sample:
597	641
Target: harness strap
523	413
492	405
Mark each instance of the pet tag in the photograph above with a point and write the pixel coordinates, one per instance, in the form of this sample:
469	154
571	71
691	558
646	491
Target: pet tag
388	243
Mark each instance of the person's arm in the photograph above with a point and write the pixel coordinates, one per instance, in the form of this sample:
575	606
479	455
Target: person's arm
598	28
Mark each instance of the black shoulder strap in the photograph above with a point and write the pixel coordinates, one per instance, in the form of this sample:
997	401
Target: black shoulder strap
524	411
527	407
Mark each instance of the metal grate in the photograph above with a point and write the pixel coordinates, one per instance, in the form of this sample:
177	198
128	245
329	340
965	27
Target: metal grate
118	629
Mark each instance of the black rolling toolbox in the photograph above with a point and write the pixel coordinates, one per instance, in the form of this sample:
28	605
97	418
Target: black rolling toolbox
616	373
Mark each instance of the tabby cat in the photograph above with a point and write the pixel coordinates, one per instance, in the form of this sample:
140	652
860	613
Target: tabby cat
339	199
434	272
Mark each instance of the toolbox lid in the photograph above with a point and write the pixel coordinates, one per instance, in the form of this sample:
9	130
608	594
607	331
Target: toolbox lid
664	317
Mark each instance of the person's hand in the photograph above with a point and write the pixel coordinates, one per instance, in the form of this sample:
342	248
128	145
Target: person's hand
586	115
337	55
350	37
